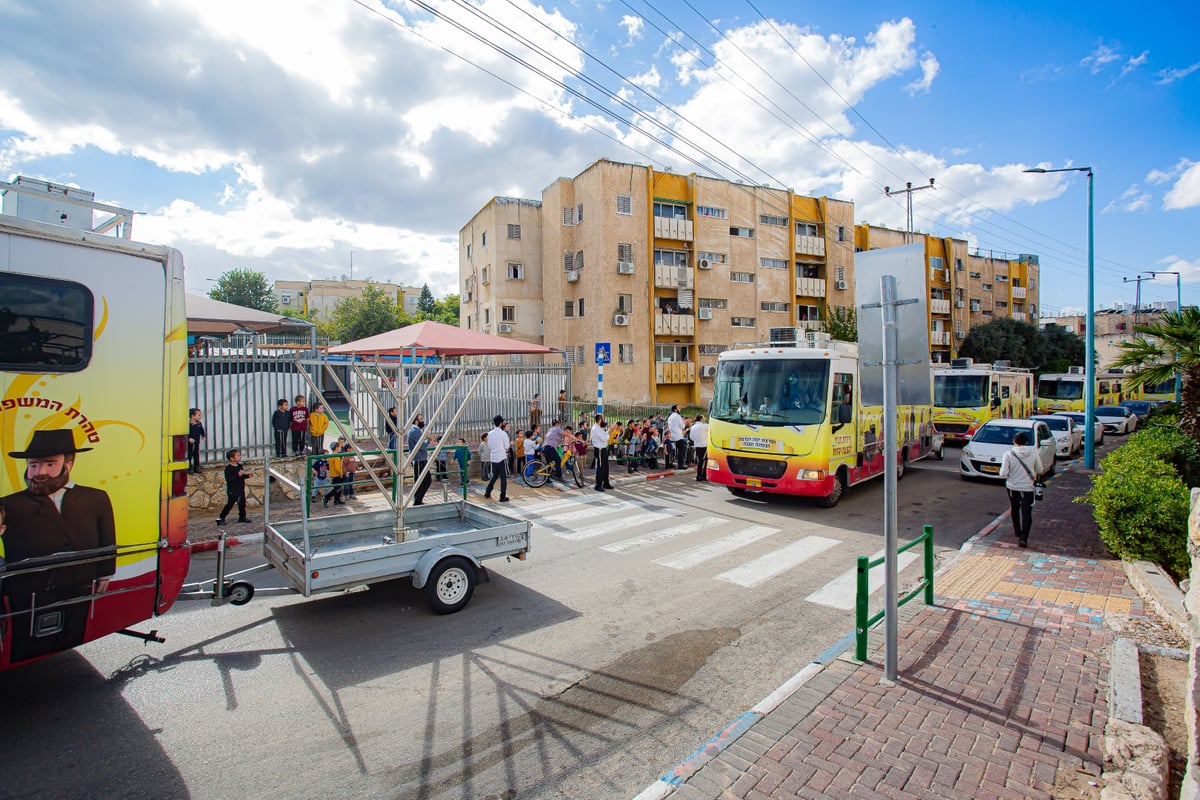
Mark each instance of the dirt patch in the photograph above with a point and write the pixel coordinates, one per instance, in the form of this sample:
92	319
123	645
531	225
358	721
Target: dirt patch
1164	681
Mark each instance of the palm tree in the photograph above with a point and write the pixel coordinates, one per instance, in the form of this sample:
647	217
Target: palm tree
1173	348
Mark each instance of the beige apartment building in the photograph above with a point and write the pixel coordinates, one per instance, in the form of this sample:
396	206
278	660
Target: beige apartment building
670	270
322	296
1113	326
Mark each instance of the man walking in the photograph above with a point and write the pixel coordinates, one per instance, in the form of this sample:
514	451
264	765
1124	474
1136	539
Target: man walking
418	447
699	436
1021	485
497	441
675	426
599	439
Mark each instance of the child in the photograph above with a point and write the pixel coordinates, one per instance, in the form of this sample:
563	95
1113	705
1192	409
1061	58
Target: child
281	423
195	436
318	423
485	458
519	448
235	486
650	448
633	448
335	479
462	455
320	468
349	470
441	457
528	450
299	414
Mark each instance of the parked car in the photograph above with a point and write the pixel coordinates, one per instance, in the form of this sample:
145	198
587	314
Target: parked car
1067	437
1142	408
982	454
1117	419
1077	416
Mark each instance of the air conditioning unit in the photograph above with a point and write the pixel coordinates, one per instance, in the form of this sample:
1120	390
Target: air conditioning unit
959	303
467	297
839	284
704	263
620	319
709	371
504	327
624	267
705	313
286	299
573	276
960	335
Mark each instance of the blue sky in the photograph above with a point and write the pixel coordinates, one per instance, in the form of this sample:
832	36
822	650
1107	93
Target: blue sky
284	136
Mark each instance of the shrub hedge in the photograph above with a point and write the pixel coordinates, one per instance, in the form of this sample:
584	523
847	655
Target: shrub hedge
1141	497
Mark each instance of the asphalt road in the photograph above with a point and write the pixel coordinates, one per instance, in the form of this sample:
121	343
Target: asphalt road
643	621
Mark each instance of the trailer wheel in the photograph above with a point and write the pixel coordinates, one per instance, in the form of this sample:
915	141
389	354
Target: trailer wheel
240	593
839	488
450	585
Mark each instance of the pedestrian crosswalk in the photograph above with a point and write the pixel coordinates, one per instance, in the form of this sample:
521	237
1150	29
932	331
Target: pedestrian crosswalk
734	551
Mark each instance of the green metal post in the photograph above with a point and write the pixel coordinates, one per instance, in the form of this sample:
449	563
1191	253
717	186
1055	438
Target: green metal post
861	611
928	552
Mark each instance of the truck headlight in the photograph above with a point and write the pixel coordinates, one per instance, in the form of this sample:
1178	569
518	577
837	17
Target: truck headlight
812	475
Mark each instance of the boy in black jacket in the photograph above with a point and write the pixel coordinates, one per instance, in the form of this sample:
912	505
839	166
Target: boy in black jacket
195	434
235	486
281	423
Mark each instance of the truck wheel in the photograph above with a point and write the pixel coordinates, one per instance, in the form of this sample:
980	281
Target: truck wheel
940	453
450	585
240	593
900	467
737	491
839	488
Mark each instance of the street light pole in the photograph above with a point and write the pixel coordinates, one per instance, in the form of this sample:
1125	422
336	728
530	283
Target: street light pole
1178	309
1089	391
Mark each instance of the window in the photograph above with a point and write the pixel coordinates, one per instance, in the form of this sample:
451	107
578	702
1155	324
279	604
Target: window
843	393
839	274
1001	304
976	274
768	219
773	306
987	287
1002	279
580	314
508	313
807	229
671	258
671	352
741	277
579	213
935	262
624	303
958	265
773	263
484	240
742	322
841	230
742	233
712	349
806	270
579	260
807	313
483	276
468	249
624	204
670	210
625	353
47	324
568	261
712	258
1016	282
624	251
487	316
568	216
516	272
569	309
1032	284
514	231
713	302
711	211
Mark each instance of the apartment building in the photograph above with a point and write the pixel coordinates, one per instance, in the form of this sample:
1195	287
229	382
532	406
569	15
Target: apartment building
1113	326
322	296
670	270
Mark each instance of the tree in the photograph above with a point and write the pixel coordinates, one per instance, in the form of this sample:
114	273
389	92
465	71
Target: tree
841	322
446	310
426	305
374	311
1005	340
1063	349
1165	349
246	288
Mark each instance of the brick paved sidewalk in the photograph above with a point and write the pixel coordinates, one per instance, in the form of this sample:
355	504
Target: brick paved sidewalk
1002	690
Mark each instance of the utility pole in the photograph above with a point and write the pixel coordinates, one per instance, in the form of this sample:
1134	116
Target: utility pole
908	191
1137	295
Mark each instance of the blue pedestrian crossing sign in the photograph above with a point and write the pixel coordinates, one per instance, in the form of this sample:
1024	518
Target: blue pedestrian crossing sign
603	353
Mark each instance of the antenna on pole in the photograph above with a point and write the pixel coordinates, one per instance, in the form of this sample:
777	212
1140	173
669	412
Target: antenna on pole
908	191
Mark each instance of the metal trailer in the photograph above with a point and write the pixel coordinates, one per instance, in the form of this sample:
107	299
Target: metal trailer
441	547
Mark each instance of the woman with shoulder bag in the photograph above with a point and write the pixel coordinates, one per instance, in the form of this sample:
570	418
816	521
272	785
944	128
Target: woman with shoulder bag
1021	484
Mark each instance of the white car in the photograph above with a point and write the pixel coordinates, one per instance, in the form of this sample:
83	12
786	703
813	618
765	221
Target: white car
1068	438
982	455
1097	425
1117	419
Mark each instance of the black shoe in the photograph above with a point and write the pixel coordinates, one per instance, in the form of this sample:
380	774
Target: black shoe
608	486
338	503
504	499
487	495
244	519
220	522
1023	542
600	489
419	503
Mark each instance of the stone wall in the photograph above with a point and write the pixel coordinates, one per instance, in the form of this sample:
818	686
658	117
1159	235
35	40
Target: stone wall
1191	781
206	491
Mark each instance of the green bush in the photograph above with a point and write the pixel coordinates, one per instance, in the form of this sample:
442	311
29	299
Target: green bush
1140	500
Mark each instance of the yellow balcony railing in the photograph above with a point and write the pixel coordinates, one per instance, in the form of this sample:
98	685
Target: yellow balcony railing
674	324
675	371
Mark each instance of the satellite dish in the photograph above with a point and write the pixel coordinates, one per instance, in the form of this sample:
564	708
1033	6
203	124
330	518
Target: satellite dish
343	277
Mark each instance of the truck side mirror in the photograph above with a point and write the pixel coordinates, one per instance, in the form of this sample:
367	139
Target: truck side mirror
844	414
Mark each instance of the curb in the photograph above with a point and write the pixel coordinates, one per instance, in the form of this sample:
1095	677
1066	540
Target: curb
230	541
1148	580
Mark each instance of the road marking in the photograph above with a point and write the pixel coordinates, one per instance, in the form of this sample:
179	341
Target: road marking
610	507
693	556
762	569
666	534
842	590
615	525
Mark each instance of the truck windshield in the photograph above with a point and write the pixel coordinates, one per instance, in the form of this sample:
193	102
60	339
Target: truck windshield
771	391
1055	389
960	391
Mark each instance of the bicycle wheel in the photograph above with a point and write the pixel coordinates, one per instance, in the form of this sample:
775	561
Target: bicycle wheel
576	473
536	473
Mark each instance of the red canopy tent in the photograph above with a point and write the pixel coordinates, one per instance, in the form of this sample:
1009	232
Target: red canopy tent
436	339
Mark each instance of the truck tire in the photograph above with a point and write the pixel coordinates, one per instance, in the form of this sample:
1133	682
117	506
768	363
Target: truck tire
839	488
450	585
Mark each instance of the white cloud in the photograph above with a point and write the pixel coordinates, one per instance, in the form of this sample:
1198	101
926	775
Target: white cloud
1132	199
1046	72
1186	191
1189	270
1099	58
929	71
1172	75
1134	63
650	79
635	28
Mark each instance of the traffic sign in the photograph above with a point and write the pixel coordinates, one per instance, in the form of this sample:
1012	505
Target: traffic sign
603	353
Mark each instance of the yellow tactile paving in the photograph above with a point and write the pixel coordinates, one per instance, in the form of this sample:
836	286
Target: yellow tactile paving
973	577
1065	597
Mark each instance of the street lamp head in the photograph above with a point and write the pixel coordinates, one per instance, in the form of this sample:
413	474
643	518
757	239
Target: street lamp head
1038	170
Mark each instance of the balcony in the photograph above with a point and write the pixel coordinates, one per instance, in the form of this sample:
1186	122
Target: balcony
1020	315
674	372
810	287
1018	292
680	229
667	276
939	337
810	246
939	306
674	324
810	324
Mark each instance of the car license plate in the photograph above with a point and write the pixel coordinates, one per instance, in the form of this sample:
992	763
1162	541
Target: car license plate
753	482
991	469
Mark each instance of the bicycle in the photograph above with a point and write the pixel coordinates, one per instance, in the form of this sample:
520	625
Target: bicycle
538	471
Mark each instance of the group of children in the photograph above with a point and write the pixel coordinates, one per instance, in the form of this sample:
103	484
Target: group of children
336	474
307	427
